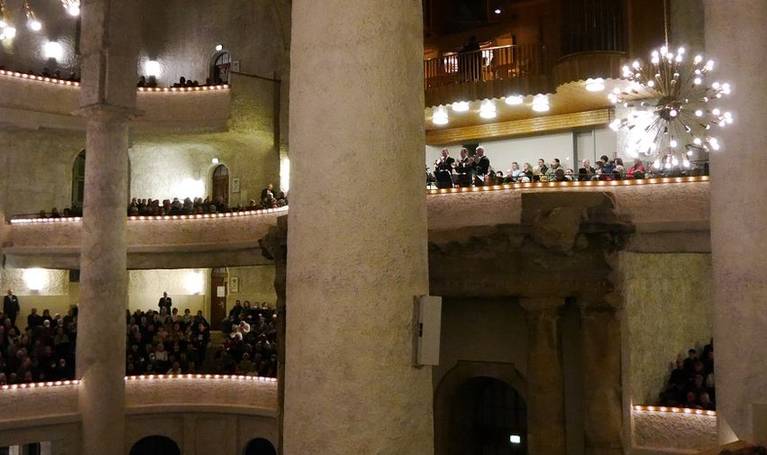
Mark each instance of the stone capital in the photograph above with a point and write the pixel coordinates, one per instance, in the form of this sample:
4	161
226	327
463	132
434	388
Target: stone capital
107	113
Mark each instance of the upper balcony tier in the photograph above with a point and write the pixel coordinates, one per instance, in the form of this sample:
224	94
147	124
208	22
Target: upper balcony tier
29	101
233	239
496	72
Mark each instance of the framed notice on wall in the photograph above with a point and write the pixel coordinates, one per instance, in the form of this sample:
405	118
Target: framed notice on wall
235	185
234	284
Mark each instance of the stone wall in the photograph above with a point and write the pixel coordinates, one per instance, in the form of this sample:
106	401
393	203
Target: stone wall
667	309
666	432
482	331
255	284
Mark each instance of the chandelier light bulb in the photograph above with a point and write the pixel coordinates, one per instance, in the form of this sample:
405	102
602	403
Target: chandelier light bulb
515	100
698	58
34	25
699	113
8	32
673	143
541	103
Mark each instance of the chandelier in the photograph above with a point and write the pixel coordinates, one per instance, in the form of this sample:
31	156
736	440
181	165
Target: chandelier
670	108
7	28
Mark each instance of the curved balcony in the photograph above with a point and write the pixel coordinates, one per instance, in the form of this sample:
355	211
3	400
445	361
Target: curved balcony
195	241
201	413
487	73
28	101
584	65
233	239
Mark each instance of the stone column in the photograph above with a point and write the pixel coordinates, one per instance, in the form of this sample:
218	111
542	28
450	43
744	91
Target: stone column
602	399
109	53
545	379
735	37
357	251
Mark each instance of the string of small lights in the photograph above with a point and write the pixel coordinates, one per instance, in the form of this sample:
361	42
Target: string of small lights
150	377
675	410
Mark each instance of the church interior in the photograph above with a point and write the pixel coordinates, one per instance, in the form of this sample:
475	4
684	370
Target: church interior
450	227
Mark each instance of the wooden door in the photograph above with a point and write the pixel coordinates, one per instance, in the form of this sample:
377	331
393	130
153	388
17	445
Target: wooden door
218	291
221	184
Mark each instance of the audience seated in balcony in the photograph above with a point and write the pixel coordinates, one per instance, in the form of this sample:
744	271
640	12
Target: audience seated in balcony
251	346
157	342
691	382
43	351
477	171
187	206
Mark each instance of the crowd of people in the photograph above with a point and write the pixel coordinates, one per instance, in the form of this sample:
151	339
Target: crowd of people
691	382
161	341
251	344
188	206
476	170
151	82
43	351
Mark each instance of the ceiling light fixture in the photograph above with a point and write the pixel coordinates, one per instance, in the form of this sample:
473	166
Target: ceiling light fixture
487	110
595	85
515	100
440	117
460	106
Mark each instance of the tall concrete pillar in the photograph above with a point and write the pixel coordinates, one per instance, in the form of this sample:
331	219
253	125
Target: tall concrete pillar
545	378
602	398
738	215
357	251
109	52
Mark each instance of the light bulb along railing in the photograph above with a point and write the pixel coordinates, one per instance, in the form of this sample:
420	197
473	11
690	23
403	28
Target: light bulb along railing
71	83
149	377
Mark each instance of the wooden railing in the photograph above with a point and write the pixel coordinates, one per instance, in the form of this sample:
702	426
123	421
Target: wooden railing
525	64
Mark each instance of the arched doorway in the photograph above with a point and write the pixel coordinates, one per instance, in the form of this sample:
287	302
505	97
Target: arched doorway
220	68
479	408
488	417
221	184
155	445
259	446
78	180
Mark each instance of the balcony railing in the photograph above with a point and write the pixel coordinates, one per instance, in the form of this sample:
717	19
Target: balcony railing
486	73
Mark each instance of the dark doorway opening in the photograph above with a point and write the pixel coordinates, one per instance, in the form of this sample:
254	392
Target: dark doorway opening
155	445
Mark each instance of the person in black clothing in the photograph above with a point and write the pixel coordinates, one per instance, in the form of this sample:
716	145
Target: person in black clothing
443	170
34	319
11	306
165	302
689	362
482	165
465	169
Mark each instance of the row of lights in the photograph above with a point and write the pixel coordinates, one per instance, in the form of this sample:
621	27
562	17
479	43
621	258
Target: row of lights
506	186
488	109
203	88
674	410
150	377
50	80
515	186
77	219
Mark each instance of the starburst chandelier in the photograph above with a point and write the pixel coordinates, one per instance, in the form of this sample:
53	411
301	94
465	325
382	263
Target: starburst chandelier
671	108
